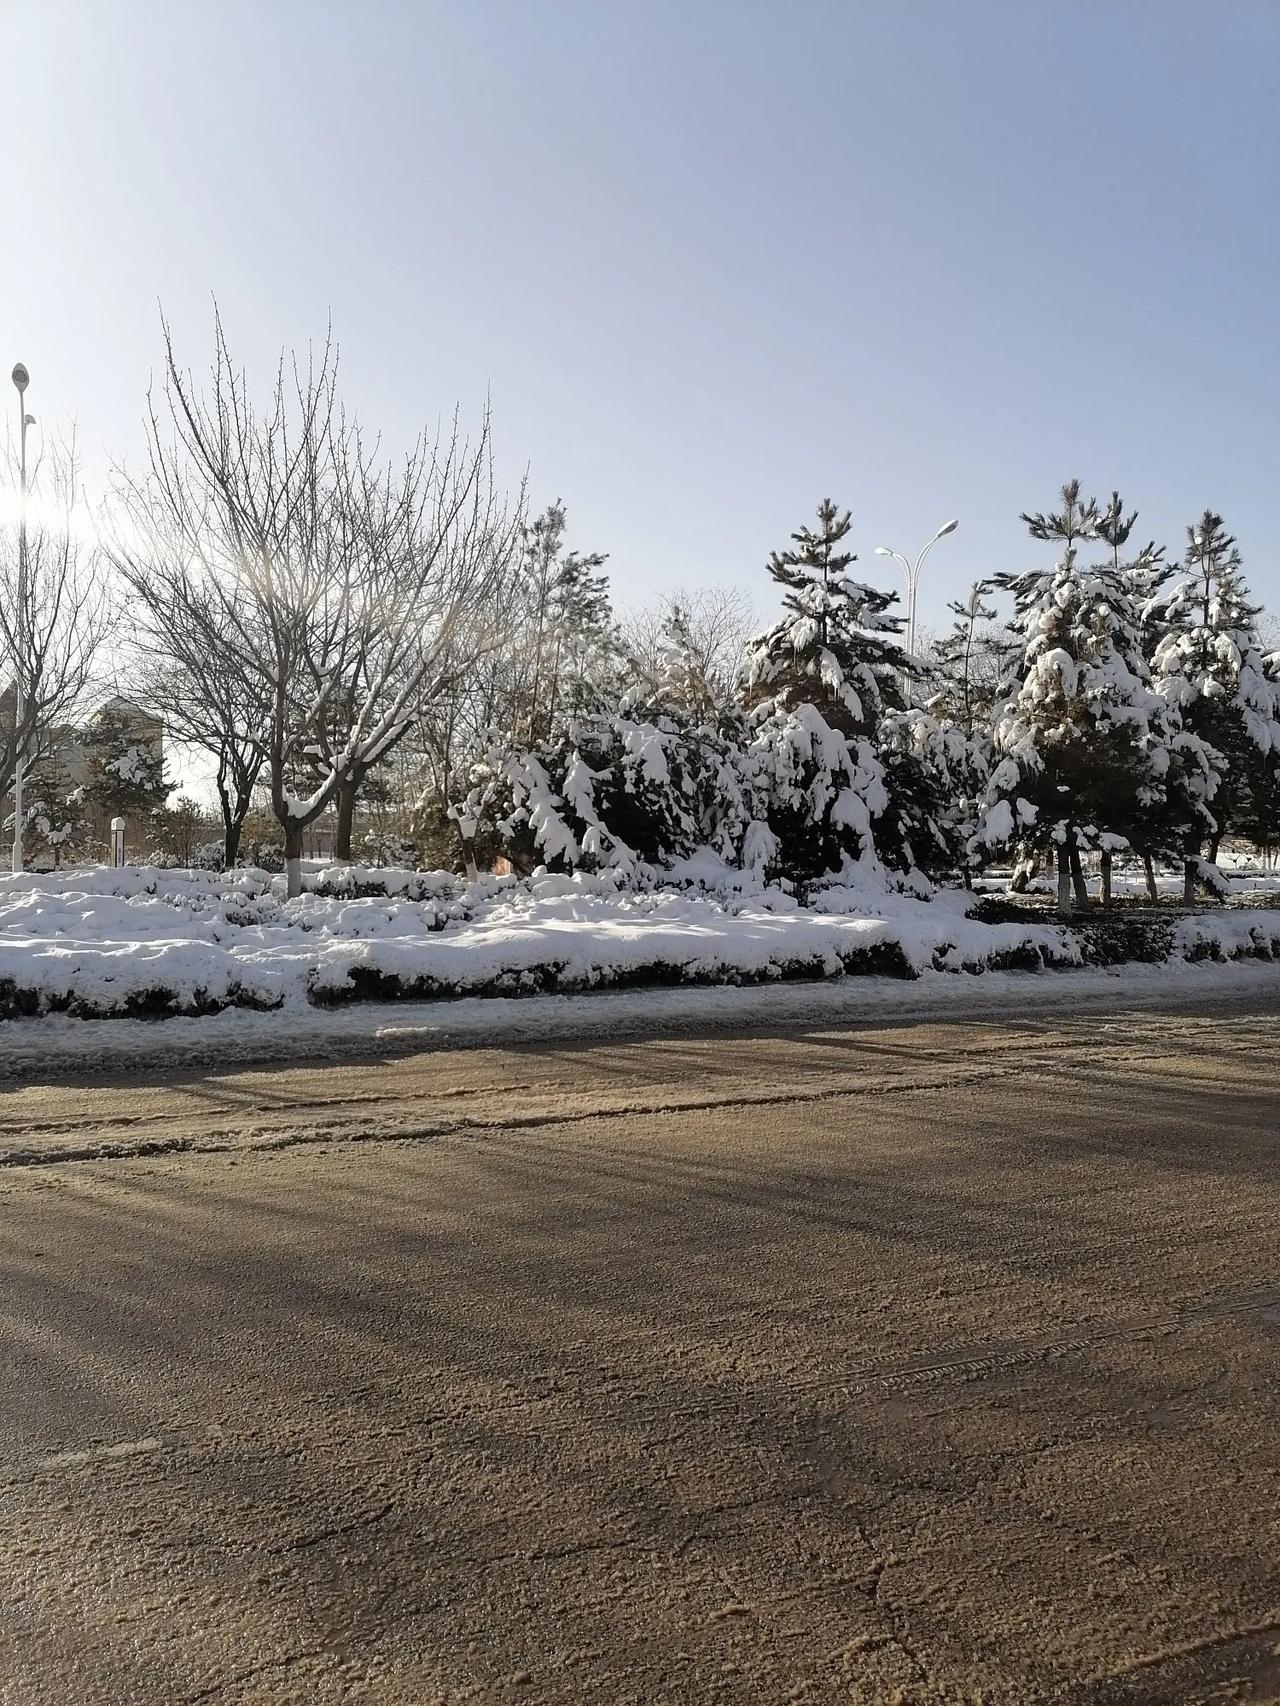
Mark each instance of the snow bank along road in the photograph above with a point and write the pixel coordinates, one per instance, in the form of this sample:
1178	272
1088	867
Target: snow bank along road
923	1364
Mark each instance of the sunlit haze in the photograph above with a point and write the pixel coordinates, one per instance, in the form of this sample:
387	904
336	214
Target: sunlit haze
710	261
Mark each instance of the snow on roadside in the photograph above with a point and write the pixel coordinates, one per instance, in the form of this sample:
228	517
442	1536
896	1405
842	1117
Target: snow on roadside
553	934
157	943
55	1046
190	946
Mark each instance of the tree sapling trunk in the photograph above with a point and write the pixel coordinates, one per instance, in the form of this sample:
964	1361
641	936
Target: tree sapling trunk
467	826
1064	880
293	860
1104	866
1149	877
1078	884
234	811
346	817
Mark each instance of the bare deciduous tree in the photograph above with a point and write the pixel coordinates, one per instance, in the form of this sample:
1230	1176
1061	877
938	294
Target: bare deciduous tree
203	704
57	639
334	585
717	620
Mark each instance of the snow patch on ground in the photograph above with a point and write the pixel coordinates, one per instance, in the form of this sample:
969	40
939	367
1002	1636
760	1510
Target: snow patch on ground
161	943
235	967
57	1045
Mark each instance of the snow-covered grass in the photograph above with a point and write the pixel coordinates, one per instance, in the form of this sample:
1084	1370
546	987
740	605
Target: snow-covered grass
149	943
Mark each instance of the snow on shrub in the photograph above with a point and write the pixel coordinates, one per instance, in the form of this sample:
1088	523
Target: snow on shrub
1235	936
404	884
146	942
557	934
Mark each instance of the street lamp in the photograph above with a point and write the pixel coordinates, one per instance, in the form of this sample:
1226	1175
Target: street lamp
21	379
912	572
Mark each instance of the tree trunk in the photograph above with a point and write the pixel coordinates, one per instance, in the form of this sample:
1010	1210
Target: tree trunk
232	828
1215	841
1064	880
293	859
1024	874
234	813
1078	883
236	778
1188	882
1149	877
1104	862
346	816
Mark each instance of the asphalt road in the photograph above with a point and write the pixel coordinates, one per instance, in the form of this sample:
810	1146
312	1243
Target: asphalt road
929	1364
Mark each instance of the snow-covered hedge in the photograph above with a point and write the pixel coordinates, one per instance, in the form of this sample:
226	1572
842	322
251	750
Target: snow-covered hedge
144	942
566	934
1237	935
363	881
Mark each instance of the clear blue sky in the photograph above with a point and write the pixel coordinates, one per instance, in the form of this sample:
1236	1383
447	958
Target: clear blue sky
713	259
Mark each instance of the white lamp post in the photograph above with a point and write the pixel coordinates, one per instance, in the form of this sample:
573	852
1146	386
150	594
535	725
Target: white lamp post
912	572
21	379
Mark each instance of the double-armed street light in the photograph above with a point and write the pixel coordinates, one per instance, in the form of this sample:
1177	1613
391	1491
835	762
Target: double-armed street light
912	572
21	379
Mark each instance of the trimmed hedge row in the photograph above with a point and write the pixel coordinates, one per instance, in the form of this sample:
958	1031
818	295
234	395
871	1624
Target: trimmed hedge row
153	1002
556	977
1108	941
1105	942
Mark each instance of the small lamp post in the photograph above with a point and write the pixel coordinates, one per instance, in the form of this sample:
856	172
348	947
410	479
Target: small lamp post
21	379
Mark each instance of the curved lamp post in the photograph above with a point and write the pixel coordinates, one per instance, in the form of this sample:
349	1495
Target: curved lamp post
912	572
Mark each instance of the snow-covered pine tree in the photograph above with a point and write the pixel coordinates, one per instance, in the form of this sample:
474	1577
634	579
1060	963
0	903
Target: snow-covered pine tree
573	647
1170	811
936	778
683	681
966	662
176	831
1076	743
1260	819
586	656
1075	521
938	760
125	773
640	786
1144	573
818	684
1264	828
1113	526
720	784
1165	818
713	624
1209	666
54	810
